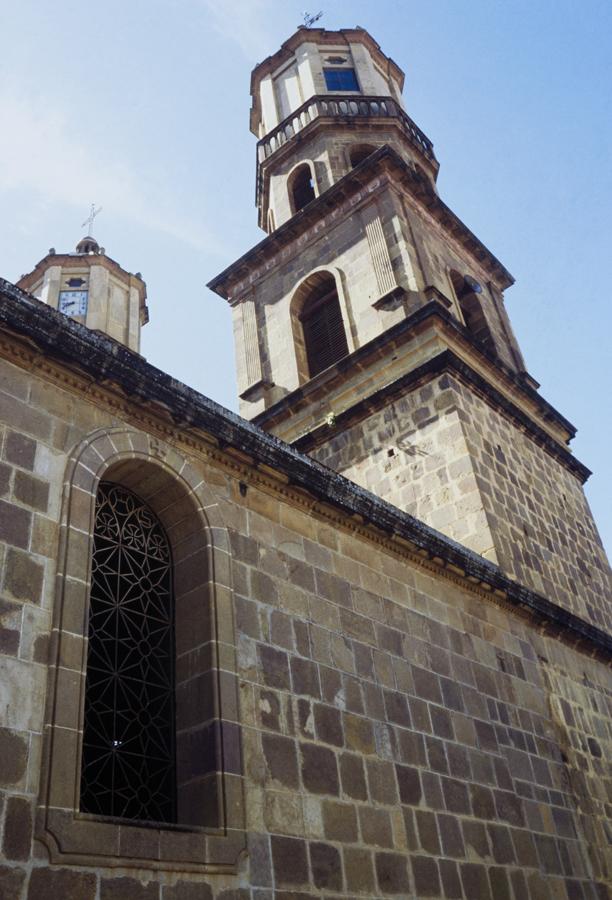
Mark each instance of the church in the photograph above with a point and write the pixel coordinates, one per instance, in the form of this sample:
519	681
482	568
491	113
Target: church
351	643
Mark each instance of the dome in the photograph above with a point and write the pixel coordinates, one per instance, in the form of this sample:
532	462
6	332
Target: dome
88	245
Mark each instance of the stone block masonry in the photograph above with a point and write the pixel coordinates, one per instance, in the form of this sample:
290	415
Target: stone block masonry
445	455
402	735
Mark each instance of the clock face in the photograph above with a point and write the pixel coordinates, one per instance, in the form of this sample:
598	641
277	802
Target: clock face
73	303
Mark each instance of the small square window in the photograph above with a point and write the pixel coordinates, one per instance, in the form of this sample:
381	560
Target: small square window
341	80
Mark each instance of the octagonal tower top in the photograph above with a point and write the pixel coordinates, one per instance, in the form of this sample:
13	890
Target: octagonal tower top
314	61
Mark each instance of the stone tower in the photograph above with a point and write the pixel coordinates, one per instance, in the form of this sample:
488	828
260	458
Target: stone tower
93	289
371	331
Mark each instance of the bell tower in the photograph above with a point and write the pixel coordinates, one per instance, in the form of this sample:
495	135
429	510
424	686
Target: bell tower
93	289
371	331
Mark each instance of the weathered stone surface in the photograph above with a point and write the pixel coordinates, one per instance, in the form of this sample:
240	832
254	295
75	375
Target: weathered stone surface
32	491
5	479
281	759
69	885
12	880
129	889
359	869
13	757
325	866
290	861
409	785
14	524
275	667
260	860
353	776
23	576
375	827
319	769
391	873
187	890
20	450
426	877
340	821
17	841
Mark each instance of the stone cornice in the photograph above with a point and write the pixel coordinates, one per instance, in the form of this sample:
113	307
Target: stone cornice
106	362
400	334
321	213
447	361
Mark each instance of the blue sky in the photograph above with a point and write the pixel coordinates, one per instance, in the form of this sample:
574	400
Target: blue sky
143	107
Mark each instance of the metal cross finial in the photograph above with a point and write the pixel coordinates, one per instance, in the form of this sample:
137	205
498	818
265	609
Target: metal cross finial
310	20
90	218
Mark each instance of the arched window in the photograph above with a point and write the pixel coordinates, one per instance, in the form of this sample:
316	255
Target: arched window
323	328
141	729
128	767
359	153
468	293
301	188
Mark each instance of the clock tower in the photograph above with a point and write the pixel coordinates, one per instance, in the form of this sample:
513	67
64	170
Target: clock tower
93	289
371	330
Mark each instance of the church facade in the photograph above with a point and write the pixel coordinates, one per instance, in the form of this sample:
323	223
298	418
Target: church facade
352	643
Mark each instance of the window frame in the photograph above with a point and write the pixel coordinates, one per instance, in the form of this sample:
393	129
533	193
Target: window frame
299	298
293	176
336	70
317	308
472	312
107	726
200	546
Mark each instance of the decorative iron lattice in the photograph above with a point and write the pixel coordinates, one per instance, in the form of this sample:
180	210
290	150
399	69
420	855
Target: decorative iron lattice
128	767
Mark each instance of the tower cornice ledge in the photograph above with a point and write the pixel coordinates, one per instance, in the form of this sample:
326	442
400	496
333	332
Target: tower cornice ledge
233	280
32	326
513	394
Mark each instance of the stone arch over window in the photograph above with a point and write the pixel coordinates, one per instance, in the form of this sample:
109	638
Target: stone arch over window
321	322
358	152
209	826
468	294
302	186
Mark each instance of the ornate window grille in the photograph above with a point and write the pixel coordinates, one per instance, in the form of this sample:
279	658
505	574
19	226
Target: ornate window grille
128	765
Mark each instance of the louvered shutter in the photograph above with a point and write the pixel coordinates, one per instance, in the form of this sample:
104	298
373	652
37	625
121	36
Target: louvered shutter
324	333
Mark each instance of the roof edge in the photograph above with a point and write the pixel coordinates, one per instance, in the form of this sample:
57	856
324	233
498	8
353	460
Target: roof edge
103	359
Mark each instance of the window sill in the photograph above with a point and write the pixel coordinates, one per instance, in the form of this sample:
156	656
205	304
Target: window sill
81	839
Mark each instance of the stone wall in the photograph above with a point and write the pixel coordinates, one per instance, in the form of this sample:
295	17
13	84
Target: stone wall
445	455
402	735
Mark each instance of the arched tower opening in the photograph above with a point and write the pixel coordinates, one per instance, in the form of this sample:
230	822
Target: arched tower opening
321	336
469	295
359	152
301	187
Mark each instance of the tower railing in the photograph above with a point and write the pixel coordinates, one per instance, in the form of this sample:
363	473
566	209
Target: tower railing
344	107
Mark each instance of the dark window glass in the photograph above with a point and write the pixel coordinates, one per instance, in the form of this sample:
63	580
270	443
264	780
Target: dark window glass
324	334
129	733
302	188
341	80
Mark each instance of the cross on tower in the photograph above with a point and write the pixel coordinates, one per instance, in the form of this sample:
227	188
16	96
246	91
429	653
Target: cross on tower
309	19
90	218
